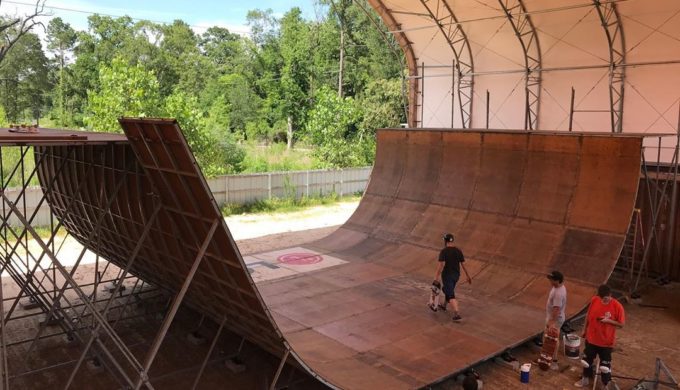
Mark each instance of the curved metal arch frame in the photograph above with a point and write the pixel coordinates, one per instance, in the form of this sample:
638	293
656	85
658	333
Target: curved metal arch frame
613	28
451	28
411	60
525	31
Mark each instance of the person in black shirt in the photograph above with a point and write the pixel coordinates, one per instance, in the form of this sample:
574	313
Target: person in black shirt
451	259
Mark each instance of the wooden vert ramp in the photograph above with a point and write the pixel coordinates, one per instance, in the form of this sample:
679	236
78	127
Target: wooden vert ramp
351	307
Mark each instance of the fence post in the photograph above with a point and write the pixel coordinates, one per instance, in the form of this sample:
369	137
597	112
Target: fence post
226	189
307	183
269	185
342	172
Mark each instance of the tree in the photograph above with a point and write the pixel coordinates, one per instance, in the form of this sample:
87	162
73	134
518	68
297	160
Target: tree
264	27
294	83
382	105
61	39
217	154
333	127
181	63
224	49
24	79
12	29
124	91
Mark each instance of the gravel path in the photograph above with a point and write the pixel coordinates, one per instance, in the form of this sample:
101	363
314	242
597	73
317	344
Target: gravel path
244	228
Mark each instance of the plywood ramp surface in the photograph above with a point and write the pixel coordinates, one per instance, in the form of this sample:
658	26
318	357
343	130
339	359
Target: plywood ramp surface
352	307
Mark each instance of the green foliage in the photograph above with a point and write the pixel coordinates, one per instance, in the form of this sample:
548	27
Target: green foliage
124	91
233	107
60	39
12	174
382	101
275	157
332	126
288	204
24	80
3	118
215	155
226	90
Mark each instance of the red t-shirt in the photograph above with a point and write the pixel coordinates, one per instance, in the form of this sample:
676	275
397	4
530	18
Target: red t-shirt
598	333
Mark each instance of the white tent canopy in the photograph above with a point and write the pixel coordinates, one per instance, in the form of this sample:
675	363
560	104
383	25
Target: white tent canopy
621	57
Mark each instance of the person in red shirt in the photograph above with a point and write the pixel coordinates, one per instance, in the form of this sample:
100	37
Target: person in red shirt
605	316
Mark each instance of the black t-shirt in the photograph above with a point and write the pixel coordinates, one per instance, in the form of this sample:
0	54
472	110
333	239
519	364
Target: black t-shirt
452	257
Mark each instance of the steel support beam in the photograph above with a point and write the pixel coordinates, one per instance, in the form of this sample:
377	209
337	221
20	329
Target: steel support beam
143	378
272	386
105	311
66	320
613	28
526	33
448	24
4	375
207	355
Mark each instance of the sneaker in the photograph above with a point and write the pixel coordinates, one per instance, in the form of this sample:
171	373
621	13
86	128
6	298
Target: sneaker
456	317
442	307
583	382
432	307
611	386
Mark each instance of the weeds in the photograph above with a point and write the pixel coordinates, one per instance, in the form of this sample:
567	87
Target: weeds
285	205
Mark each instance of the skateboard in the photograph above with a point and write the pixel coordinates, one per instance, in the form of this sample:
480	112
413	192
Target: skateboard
433	303
551	340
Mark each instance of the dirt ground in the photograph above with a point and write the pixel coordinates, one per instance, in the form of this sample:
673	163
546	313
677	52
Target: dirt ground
652	330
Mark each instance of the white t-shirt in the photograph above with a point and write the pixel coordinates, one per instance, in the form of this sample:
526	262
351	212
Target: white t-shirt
557	297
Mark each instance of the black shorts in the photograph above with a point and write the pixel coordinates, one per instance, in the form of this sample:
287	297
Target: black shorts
449	287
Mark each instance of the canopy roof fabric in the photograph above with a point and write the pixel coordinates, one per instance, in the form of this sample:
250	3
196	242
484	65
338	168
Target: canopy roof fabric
622	57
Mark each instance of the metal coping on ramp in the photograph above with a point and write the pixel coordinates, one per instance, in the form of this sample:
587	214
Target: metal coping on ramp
352	308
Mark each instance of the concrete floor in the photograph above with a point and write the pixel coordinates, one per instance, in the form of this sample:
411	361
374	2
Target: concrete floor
650	332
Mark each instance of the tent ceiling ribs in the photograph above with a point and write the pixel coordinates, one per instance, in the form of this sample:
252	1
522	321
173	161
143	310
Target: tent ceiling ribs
453	32
611	22
526	33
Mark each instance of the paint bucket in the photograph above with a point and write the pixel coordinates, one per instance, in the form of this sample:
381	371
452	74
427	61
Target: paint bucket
572	346
524	372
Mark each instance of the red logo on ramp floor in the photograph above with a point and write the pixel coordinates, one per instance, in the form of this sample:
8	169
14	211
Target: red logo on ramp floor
300	258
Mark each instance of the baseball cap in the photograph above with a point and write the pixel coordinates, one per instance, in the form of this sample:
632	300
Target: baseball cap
556	276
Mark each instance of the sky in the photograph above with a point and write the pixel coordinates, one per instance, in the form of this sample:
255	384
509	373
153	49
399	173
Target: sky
200	14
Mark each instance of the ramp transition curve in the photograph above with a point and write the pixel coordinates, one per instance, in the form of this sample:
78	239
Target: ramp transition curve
351	307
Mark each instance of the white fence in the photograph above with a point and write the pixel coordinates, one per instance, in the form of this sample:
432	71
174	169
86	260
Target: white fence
32	196
239	189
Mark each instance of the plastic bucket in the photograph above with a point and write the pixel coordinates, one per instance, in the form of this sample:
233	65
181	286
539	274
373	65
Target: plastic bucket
524	373
572	346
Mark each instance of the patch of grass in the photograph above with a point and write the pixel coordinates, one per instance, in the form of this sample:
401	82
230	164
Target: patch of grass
285	205
45	233
275	157
12	168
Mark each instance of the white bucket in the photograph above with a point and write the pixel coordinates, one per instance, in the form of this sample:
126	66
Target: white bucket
572	346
